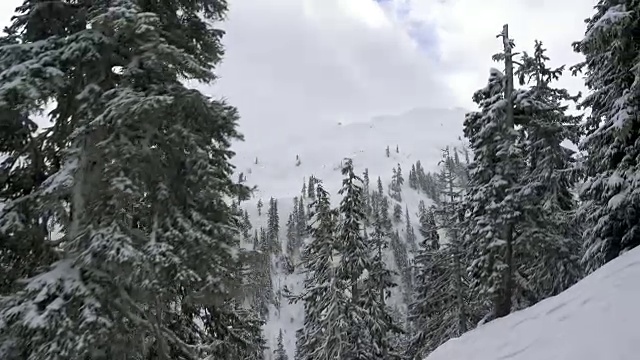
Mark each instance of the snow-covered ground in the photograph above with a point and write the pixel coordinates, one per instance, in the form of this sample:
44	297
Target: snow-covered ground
419	134
596	319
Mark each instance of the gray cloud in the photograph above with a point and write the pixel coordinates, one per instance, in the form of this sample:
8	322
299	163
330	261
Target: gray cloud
290	66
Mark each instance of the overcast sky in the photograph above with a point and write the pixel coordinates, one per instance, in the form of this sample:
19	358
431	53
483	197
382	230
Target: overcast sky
293	63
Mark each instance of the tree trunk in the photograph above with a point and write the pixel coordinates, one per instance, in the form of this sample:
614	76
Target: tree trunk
502	302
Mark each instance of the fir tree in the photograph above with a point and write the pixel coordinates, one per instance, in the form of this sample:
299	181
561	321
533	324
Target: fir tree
400	255
311	188
428	229
381	324
324	333
264	294
273	227
493	186
291	235
395	188
413	178
610	192
367	195
280	353
260	205
130	174
397	213
548	239
410	234
301	223
384	213
355	259
421	309
246	225
303	192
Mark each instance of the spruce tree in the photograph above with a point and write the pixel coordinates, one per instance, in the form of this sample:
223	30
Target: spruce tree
311	188
421	310
493	187
131	176
428	229
413	177
273	227
610	192
355	258
400	177
259	206
324	300
451	217
410	234
376	291
301	223
400	255
397	213
264	293
395	188
384	213
280	353
548	241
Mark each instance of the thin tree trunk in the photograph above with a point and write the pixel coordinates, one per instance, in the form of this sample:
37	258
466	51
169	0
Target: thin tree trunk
502	305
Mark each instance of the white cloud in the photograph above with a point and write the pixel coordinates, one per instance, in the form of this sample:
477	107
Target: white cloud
301	62
293	64
467	30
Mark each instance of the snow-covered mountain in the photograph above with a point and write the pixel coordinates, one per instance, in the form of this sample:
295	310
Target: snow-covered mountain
419	134
596	319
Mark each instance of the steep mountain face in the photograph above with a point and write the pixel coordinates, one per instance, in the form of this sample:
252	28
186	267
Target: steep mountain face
281	171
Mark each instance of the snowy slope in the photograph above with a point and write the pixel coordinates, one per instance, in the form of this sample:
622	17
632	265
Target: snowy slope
419	134
597	319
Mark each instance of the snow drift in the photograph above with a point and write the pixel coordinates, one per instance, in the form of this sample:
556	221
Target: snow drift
596	319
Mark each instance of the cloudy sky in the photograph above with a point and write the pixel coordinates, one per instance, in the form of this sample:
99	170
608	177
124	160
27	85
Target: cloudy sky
306	62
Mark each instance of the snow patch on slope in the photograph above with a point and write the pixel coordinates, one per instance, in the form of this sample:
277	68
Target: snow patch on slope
596	319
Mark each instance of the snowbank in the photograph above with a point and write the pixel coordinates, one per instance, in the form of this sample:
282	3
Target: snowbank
597	319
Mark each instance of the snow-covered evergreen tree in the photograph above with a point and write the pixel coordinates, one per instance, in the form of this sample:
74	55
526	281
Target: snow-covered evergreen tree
395	188
397	213
280	353
413	178
410	234
135	182
610	193
450	213
547	244
311	191
324	333
260	205
379	281
400	255
426	278
273	227
264	295
355	258
492	195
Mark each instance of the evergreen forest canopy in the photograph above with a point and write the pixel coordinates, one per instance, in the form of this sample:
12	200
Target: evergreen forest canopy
123	233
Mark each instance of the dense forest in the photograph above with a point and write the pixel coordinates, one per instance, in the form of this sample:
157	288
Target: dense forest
125	230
